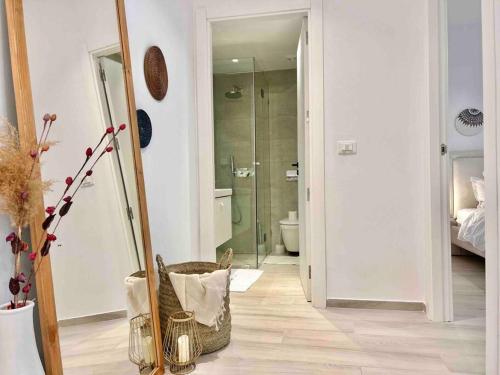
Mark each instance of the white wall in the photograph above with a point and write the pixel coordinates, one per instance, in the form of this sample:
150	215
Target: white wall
89	261
375	82
465	88
375	93
169	169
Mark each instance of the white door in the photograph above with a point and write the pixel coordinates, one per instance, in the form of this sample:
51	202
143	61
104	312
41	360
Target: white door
303	152
114	86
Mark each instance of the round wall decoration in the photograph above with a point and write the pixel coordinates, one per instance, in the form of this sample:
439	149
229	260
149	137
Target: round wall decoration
155	72
469	122
145	129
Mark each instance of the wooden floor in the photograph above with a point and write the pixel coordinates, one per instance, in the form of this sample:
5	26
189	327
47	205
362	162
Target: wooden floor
275	331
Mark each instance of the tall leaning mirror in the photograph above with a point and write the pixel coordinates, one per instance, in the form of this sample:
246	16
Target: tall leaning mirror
96	290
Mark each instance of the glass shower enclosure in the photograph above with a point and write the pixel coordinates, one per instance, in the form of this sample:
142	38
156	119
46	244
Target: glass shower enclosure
241	155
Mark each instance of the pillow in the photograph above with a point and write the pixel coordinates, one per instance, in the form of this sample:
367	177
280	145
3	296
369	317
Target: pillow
478	188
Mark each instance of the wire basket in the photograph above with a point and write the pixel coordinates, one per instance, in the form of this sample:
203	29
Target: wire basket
141	350
182	343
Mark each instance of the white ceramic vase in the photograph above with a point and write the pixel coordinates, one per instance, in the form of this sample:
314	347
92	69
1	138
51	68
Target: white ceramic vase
18	351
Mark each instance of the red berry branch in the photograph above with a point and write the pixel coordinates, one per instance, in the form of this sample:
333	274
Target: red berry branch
59	211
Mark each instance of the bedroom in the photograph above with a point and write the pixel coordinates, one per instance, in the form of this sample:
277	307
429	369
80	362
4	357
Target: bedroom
466	160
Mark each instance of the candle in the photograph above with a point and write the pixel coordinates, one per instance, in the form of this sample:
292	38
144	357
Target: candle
183	348
152	351
148	350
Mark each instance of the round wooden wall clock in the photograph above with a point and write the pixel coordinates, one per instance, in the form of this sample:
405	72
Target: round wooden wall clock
155	72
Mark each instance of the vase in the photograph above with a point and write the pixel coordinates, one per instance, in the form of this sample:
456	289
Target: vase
18	354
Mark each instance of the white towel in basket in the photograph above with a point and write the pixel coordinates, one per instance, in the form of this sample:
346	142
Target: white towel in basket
137	296
203	294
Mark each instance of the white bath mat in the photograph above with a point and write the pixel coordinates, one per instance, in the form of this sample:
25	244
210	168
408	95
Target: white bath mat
242	279
282	259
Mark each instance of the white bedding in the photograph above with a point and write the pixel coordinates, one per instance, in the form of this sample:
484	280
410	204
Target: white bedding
472	229
463	214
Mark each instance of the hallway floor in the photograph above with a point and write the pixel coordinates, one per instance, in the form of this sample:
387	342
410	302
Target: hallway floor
275	331
469	287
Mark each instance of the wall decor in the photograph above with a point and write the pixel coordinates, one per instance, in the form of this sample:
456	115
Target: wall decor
155	72
145	128
469	122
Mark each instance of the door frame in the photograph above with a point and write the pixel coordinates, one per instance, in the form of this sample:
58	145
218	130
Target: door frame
303	152
206	13
438	285
438	270
491	105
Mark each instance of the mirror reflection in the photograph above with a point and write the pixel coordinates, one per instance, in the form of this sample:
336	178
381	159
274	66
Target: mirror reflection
98	262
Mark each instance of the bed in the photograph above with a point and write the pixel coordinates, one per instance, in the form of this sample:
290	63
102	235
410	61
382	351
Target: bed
467	203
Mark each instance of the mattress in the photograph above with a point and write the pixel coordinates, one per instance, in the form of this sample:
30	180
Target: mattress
463	214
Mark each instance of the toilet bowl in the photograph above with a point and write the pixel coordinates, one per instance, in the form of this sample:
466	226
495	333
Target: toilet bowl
290	234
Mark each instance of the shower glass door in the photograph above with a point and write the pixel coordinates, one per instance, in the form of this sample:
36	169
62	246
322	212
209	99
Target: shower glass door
262	167
238	145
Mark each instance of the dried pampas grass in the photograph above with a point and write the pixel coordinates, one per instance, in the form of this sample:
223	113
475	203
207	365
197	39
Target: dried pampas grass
21	186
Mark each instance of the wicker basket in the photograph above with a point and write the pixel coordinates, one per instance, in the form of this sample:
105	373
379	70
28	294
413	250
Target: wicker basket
211	339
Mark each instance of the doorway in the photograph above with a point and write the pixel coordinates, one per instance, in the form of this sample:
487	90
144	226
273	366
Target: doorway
260	107
465	153
206	16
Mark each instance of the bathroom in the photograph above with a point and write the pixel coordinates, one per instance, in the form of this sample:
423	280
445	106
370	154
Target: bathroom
256	139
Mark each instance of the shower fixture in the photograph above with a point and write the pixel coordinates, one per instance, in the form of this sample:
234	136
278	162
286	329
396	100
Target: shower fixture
235	205
234	93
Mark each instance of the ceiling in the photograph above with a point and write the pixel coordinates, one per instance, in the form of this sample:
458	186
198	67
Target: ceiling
271	40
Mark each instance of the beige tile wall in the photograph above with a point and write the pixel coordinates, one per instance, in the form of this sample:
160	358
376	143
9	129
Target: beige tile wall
233	120
275	150
283	145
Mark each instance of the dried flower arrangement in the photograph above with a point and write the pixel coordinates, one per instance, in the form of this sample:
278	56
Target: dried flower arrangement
21	194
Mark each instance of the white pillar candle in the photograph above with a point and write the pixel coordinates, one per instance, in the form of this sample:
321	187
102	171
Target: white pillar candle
148	349
183	348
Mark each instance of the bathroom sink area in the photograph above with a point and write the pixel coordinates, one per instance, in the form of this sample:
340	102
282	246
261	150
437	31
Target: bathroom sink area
219	193
222	208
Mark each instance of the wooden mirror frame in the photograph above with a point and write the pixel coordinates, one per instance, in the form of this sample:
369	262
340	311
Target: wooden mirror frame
27	135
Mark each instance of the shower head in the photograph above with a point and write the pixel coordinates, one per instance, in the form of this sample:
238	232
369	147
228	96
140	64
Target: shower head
234	93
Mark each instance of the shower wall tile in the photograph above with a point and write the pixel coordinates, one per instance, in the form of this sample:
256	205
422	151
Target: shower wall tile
275	135
233	127
283	145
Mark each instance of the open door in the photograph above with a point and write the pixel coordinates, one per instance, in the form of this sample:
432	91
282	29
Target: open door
112	91
303	152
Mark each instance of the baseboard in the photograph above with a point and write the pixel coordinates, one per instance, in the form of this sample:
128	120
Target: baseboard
93	318
377	305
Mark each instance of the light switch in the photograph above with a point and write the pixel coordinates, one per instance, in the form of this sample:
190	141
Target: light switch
346	147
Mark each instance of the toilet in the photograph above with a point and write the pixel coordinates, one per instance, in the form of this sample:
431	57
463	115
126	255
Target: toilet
290	232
